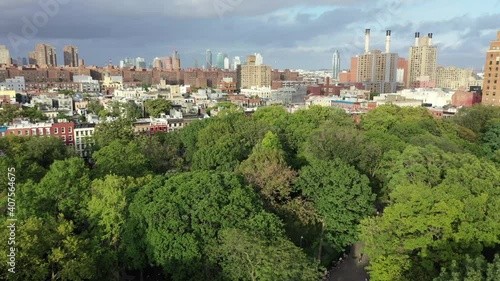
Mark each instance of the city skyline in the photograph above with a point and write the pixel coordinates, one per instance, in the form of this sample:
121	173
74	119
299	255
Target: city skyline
237	28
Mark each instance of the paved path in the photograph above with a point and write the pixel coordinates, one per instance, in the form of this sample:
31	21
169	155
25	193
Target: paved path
352	267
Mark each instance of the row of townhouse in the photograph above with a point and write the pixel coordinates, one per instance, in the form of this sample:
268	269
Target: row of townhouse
80	135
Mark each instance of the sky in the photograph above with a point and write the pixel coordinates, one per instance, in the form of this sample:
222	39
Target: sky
288	33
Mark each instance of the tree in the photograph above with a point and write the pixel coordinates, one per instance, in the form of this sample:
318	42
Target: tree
249	257
121	159
341	196
118	130
95	106
330	141
431	223
157	107
490	139
33	113
8	113
49	248
183	215
63	190
476	117
108	210
471	269
131	111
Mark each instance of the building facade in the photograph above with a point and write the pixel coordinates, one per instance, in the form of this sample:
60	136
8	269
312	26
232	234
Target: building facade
253	75
71	56
336	65
491	85
422	60
4	55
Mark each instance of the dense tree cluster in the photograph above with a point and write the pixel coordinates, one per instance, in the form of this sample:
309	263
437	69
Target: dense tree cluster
274	196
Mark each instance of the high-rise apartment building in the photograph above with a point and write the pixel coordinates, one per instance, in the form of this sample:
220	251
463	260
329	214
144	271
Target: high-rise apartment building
336	65
32	58
71	56
491	85
176	60
377	70
455	78
208	59
45	55
4	55
226	63
422	60
253	75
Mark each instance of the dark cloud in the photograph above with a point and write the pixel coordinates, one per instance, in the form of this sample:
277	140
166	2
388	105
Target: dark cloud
289	33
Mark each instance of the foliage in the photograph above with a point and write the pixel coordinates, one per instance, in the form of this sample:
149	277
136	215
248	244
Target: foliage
118	130
157	107
437	221
341	196
121	159
8	113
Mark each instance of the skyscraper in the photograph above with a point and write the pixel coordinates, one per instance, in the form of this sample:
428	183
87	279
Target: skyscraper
259	60
208	59
491	84
422	60
226	62
176	60
220	61
4	55
71	56
236	62
335	65
45	55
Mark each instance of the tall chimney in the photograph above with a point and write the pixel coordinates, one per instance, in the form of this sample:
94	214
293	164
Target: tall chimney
367	41
388	41
417	39
430	38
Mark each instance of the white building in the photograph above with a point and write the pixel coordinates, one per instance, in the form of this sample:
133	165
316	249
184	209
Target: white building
226	63
17	84
259	60
87	84
263	92
83	139
436	97
236	62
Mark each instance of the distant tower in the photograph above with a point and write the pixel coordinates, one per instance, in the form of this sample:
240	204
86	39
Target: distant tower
208	59
236	62
259	60
335	65
220	61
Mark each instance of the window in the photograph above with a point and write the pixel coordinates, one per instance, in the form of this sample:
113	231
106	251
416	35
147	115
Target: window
70	138
63	130
70	130
56	131
63	138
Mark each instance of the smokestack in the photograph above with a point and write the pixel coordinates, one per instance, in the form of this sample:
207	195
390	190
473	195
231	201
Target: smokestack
388	41
430	38
417	39
367	41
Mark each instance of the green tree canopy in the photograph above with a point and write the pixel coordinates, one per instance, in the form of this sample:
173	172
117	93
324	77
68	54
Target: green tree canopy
157	107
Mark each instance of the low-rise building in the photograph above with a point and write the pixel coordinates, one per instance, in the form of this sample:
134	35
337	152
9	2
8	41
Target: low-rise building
83	139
